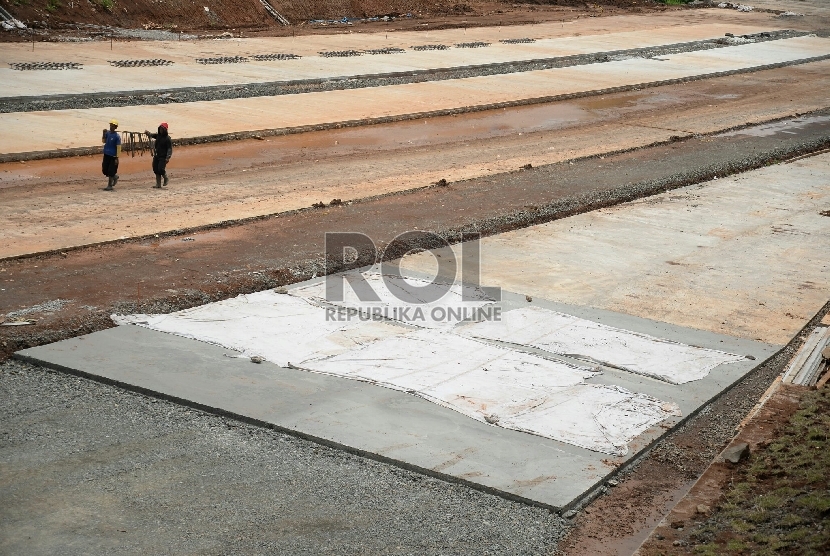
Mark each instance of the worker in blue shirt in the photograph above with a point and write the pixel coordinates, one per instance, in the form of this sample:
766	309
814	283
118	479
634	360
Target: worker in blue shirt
112	149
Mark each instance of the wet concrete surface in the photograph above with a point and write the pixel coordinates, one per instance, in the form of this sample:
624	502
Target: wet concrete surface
724	256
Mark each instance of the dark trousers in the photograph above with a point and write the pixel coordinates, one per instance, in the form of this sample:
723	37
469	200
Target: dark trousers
159	165
109	167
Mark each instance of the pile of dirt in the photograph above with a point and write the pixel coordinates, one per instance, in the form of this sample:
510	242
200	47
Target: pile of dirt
147	14
192	15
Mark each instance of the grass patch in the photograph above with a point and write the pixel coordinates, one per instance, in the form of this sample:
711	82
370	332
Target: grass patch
52	5
779	502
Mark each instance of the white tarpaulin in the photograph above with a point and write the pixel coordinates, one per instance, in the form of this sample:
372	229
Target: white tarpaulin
568	335
281	328
489	383
410	300
512	389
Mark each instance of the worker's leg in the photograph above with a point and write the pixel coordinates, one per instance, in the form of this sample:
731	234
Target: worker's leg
161	169
114	170
107	169
156	171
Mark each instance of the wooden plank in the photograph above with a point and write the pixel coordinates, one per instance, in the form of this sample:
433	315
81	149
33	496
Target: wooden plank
803	355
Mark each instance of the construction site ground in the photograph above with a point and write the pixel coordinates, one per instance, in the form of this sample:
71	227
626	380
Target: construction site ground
94	468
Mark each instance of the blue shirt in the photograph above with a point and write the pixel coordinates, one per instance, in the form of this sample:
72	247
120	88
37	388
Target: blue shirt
113	140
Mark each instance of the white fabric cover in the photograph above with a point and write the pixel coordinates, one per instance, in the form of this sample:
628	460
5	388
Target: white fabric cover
281	328
489	383
391	301
512	389
563	334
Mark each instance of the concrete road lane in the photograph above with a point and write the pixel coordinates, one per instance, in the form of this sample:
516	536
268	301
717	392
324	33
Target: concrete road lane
74	129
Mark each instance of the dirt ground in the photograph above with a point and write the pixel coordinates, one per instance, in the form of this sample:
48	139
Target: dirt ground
249	16
774	501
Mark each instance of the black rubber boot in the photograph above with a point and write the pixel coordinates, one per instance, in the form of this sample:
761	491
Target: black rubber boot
109	185
158	182
166	180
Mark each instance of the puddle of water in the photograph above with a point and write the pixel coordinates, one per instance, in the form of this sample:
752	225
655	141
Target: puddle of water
338	142
613	101
788	127
466	127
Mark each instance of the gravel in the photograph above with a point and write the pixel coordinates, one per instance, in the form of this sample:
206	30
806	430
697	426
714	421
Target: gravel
93	469
222	92
45	307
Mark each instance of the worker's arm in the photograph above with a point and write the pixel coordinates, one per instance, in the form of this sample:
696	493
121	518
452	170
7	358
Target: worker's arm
117	151
169	150
151	135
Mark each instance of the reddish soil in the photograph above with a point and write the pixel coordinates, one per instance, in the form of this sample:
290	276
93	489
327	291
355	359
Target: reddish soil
251	16
707	491
52	204
774	501
660	503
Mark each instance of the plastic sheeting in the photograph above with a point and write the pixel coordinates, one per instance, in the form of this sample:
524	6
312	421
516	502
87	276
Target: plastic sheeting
563	334
502	387
406	300
281	328
489	383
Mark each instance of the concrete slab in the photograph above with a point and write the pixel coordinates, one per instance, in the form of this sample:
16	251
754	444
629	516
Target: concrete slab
744	256
77	129
98	75
383	423
735	246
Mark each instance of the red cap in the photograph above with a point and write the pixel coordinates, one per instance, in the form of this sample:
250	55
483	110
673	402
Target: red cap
164	125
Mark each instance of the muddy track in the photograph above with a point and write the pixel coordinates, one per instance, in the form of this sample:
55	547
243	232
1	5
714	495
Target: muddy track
539	214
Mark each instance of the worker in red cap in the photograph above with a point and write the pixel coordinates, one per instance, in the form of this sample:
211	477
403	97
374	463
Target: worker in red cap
162	151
